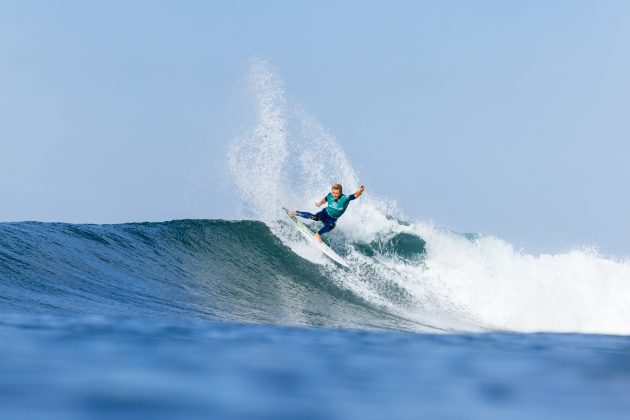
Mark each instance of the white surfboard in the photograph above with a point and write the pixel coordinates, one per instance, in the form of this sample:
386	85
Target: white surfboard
310	237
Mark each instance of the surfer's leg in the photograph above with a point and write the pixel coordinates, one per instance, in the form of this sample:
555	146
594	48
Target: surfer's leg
329	224
306	215
319	216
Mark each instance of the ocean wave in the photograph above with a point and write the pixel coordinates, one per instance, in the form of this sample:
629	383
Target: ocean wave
223	270
409	277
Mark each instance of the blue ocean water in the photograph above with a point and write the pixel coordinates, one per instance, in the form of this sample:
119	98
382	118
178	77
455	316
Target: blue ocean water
93	367
218	319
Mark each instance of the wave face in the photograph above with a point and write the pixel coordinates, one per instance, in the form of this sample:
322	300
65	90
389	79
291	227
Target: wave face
220	270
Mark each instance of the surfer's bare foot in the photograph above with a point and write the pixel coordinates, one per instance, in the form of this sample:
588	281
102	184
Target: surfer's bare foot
291	213
318	237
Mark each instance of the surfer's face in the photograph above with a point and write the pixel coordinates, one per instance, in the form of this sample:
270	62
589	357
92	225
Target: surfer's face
336	194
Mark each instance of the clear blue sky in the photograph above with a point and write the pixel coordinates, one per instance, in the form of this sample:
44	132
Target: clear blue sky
504	117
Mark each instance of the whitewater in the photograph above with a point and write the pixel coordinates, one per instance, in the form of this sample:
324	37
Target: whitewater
441	278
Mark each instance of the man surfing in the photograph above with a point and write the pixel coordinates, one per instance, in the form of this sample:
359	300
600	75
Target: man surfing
337	205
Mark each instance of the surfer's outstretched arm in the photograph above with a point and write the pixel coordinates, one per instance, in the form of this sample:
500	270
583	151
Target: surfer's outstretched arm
358	193
320	202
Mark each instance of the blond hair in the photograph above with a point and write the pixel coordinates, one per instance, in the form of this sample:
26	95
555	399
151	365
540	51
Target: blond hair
337	187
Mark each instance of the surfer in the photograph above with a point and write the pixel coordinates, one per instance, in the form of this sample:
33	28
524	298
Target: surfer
337	205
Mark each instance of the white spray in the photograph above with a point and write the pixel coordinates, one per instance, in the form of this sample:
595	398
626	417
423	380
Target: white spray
288	159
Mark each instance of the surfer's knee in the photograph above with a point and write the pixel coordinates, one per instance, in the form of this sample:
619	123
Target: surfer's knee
327	228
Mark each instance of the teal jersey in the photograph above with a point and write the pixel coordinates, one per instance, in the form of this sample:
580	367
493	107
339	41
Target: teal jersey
337	207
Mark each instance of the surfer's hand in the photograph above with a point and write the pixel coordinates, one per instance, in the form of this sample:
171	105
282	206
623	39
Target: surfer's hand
317	204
